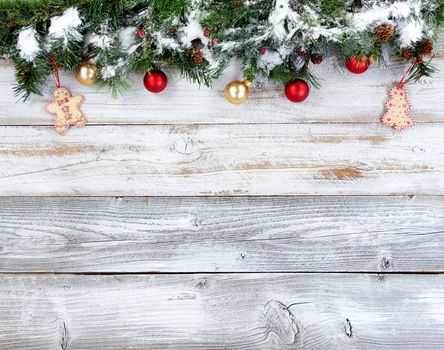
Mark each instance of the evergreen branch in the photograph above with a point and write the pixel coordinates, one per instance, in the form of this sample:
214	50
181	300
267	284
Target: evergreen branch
267	36
422	69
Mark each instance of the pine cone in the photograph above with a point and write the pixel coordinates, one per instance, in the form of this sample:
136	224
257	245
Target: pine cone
316	58
304	54
197	55
426	47
384	32
407	53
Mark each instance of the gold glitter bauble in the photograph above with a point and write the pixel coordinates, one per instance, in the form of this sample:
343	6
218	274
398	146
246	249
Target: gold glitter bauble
86	74
236	92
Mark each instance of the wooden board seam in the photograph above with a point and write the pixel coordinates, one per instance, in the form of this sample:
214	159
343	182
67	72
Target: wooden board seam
178	273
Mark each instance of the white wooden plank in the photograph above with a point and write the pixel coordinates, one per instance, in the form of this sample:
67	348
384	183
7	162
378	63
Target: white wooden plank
222	234
339	159
309	312
343	98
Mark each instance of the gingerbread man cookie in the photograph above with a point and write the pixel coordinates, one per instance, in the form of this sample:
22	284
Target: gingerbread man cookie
66	109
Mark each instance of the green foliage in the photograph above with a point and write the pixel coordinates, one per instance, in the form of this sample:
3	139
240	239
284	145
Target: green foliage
167	9
421	69
21	13
241	27
223	14
29	78
286	74
334	8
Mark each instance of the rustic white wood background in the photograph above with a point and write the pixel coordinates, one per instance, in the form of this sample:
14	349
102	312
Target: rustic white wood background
177	221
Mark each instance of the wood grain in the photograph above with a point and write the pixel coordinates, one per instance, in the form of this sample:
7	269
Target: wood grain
241	234
279	311
343	98
321	159
330	145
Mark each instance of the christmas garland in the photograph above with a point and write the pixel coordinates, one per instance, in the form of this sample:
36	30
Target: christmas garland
104	40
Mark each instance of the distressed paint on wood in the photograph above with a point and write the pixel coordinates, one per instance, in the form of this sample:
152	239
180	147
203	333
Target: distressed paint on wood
241	234
231	311
355	99
249	311
339	159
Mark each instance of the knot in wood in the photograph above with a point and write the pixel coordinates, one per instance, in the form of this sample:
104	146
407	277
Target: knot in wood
281	322
185	146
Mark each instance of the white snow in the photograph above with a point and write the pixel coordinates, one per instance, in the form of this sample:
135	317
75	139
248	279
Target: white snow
410	31
381	13
285	22
269	60
65	27
27	44
229	46
404	14
127	37
163	43
127	40
193	30
213	63
281	15
401	9
111	70
331	34
99	40
284	51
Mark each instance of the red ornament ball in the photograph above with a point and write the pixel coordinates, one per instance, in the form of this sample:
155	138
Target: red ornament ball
297	91
214	41
155	81
357	65
140	33
206	32
262	51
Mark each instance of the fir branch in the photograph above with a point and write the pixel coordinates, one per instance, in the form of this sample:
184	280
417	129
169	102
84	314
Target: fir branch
30	12
30	78
421	69
284	28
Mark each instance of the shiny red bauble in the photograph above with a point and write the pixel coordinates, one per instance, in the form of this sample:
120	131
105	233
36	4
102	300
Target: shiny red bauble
357	65
155	81
297	91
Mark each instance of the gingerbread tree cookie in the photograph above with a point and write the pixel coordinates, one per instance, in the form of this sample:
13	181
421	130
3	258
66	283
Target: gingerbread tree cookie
66	109
397	109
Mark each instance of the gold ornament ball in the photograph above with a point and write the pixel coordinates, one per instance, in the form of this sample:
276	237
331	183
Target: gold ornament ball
236	92
87	73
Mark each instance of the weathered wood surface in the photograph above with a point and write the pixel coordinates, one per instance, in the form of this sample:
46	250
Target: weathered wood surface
240	234
249	311
344	98
330	145
339	159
